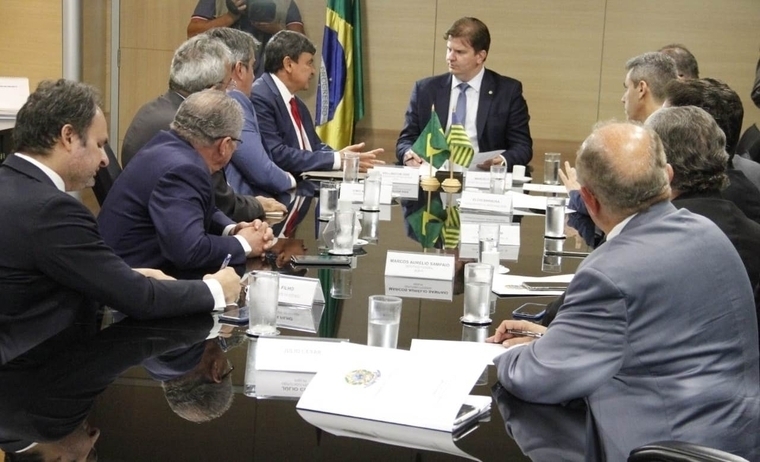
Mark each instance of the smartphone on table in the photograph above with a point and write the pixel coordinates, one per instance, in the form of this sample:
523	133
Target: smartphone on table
234	314
530	312
320	260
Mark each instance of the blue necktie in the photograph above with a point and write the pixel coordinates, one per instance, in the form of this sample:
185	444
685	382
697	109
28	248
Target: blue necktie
461	110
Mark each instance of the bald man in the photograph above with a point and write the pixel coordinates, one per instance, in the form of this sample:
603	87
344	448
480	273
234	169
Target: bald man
658	329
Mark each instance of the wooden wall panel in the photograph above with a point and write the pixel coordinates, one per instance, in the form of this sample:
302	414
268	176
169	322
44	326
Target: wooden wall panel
722	36
555	51
30	40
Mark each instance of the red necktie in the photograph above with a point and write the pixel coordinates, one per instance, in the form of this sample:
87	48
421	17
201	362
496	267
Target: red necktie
297	118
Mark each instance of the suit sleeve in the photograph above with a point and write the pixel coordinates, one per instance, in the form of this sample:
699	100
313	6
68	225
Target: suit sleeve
236	206
177	208
70	251
517	132
288	158
583	348
251	158
411	130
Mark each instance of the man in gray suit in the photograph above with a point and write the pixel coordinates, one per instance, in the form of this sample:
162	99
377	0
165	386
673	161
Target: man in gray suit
658	329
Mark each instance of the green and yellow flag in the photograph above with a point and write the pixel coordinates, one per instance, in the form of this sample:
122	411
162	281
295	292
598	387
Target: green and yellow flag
431	144
459	143
451	228
427	225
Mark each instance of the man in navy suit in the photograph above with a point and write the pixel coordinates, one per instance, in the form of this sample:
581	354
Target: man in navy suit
284	120
490	106
161	212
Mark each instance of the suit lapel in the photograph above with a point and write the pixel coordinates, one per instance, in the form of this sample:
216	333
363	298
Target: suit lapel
283	110
484	102
26	168
442	100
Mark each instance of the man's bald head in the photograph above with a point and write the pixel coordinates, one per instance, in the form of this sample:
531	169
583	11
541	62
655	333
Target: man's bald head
623	165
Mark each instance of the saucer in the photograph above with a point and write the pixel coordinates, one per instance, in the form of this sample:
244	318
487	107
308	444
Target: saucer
334	252
359	243
521	179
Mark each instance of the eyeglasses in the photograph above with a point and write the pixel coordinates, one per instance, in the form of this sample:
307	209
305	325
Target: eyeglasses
237	140
226	374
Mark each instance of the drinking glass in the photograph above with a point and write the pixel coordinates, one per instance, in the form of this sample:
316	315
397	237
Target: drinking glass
351	167
551	167
328	199
384	317
263	296
477	293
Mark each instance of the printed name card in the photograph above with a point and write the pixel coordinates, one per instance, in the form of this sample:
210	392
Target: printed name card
399	174
353	192
301	318
477	180
292	354
300	291
386	192
509	234
429	289
498	203
405	190
419	265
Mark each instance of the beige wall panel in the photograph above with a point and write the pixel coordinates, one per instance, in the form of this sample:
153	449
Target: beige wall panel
553	48
30	40
719	34
137	85
155	25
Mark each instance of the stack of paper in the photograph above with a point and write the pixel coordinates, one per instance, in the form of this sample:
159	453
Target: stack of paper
508	284
14	92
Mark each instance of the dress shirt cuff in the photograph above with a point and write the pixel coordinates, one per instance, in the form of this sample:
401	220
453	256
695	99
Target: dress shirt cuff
228	229
292	180
246	247
216	291
337	162
216	328
504	160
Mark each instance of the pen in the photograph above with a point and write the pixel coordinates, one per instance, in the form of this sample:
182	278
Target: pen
525	333
555	253
226	261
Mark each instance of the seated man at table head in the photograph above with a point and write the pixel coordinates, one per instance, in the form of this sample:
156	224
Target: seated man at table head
287	127
54	262
658	324
495	114
251	169
725	106
645	80
161	213
199	63
686	64
695	148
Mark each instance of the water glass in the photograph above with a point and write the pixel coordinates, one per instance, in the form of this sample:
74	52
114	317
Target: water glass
370	223
263	295
328	199
498	179
477	293
551	167
343	240
351	167
341	283
473	333
371	193
552	263
488	241
555	218
249	382
384	317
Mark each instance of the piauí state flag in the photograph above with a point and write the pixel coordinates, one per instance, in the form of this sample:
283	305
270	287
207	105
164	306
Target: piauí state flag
427	225
451	228
340	94
431	144
459	143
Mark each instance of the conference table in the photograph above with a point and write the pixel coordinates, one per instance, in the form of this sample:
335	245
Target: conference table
137	424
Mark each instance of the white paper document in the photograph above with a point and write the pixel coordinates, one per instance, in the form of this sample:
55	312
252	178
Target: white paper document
394	386
481	157
545	188
14	91
509	284
445	348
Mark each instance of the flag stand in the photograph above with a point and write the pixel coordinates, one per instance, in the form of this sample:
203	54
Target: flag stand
451	184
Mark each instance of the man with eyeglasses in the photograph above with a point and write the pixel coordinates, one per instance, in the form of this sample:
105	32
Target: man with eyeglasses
161	212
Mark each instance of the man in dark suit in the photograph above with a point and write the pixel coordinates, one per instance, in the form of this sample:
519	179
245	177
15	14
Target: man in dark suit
495	115
658	324
54	262
285	122
695	148
161	212
199	63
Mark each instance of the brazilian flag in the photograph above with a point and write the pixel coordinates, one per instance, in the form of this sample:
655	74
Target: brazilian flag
340	94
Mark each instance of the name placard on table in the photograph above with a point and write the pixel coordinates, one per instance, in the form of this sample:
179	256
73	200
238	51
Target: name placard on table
477	180
289	354
353	192
300	291
419	265
398	174
429	289
509	234
498	203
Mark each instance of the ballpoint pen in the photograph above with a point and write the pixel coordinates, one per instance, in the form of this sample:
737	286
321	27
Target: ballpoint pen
525	333
226	261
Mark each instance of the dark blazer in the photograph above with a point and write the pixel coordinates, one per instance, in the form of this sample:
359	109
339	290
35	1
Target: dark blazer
160	212
502	119
279	134
743	193
157	115
54	264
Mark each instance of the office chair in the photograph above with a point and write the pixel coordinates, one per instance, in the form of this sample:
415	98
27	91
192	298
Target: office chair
678	451
750	143
106	176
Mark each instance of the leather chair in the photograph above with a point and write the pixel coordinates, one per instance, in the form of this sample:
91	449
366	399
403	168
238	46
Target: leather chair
749	143
678	451
105	177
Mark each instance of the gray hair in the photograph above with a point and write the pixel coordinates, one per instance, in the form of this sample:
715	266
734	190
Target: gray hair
199	63
654	68
242	45
206	116
686	63
695	148
195	399
626	181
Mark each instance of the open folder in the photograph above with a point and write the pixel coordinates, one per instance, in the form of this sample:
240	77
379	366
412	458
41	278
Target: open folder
397	386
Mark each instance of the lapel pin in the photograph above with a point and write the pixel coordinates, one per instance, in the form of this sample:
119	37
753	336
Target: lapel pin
490	92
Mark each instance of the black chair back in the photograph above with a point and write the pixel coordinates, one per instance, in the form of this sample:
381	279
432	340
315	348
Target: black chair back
105	177
750	143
